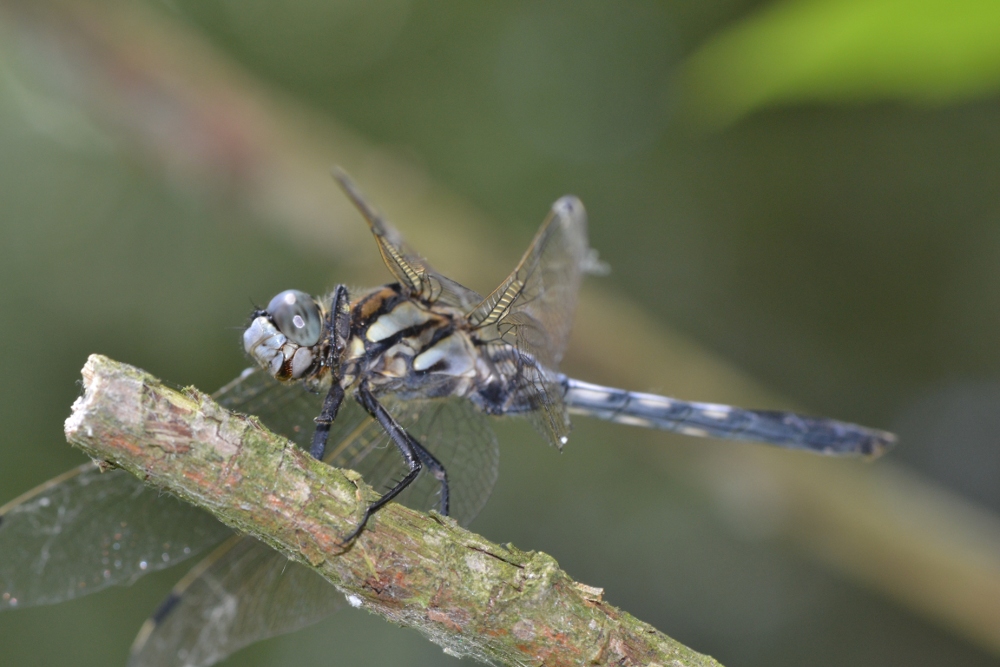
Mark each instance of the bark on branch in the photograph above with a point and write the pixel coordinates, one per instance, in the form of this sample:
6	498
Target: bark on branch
474	598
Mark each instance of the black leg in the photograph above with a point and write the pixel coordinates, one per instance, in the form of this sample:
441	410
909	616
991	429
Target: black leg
440	474
338	329
408	447
331	405
340	323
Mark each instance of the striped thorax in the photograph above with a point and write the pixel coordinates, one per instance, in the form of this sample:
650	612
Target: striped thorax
397	344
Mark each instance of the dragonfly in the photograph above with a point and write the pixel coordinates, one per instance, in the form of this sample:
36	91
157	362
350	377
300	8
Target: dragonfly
399	383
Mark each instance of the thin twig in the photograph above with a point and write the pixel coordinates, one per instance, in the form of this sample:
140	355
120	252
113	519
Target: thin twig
474	598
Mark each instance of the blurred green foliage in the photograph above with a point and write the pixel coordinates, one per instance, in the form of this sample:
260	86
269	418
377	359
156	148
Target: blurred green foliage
846	51
847	256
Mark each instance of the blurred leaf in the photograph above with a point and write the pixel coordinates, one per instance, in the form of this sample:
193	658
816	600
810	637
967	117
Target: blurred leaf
847	51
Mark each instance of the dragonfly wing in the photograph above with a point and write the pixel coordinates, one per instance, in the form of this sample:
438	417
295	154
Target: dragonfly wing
86	530
242	592
451	428
458	434
533	308
411	270
462	439
245	591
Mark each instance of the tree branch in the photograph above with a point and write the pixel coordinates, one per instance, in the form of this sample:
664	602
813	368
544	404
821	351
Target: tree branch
470	596
883	526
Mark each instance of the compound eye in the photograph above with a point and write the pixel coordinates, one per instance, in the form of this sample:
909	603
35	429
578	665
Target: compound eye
297	316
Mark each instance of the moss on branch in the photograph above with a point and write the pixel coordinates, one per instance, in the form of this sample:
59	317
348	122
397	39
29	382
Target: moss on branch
472	597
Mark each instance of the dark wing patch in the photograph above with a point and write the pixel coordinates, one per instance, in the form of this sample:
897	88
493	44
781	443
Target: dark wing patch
242	592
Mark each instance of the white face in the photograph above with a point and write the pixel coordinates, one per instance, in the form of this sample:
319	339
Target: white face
283	338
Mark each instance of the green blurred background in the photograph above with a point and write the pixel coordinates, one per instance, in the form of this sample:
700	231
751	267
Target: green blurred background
810	191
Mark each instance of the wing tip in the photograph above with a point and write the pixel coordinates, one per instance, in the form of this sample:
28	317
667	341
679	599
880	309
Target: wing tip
345	182
339	173
569	206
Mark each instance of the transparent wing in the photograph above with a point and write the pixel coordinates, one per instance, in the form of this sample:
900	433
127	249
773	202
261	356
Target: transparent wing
245	591
411	270
86	530
459	436
532	310
452	429
242	592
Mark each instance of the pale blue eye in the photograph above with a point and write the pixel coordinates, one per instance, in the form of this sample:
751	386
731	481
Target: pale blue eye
297	316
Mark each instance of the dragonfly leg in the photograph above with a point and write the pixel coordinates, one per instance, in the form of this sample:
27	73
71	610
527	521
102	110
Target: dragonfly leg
339	324
331	406
338	328
436	469
411	450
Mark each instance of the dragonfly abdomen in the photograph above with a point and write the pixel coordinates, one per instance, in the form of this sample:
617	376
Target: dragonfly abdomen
785	429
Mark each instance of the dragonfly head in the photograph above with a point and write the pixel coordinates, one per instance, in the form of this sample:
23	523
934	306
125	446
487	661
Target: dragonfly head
284	337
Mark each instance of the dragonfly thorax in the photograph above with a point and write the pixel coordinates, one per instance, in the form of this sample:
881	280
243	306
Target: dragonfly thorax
396	344
404	346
